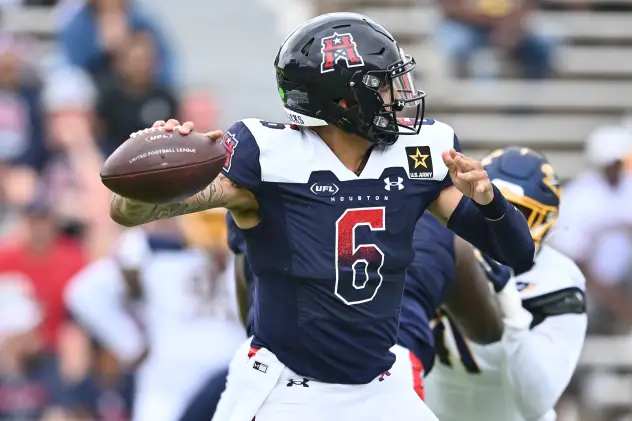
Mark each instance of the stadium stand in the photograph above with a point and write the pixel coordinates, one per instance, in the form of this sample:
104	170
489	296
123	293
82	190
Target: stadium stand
592	87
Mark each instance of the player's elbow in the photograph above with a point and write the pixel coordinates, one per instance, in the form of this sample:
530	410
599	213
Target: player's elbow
120	209
121	220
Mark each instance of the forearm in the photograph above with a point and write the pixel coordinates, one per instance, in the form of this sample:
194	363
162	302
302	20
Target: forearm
131	213
470	302
497	229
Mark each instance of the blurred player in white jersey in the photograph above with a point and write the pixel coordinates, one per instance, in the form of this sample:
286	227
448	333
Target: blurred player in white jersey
190	324
521	377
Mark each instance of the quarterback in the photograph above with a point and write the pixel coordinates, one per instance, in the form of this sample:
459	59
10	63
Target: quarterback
328	206
444	270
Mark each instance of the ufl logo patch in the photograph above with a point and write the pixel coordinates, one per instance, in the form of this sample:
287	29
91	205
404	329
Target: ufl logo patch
419	162
339	47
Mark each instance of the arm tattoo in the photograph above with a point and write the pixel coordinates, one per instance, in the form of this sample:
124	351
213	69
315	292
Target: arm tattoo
130	213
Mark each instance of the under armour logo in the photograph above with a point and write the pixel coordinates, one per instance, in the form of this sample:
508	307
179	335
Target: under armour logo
399	183
293	382
385	374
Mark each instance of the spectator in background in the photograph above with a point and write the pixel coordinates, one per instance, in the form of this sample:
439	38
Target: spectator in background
72	174
21	119
106	393
29	390
101	29
595	228
470	25
133	99
22	139
44	259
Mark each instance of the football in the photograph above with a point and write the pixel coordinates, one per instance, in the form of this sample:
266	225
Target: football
163	167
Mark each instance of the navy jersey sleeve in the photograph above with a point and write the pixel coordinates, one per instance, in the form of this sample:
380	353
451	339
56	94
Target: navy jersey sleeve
236	240
432	271
497	274
242	158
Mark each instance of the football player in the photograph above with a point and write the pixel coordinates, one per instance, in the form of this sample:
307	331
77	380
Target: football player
444	270
521	377
328	206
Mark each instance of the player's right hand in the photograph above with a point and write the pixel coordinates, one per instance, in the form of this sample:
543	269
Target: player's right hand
184	129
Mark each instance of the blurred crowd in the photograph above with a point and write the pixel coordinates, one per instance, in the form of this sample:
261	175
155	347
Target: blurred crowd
89	314
75	323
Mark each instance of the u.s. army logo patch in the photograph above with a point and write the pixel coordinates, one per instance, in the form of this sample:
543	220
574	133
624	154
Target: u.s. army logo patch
419	162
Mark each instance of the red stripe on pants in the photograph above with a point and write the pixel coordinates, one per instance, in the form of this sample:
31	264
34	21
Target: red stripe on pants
418	369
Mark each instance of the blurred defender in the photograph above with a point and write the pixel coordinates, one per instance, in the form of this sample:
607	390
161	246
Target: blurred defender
185	306
522	377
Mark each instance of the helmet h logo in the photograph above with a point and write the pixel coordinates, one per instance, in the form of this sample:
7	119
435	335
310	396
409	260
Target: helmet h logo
339	47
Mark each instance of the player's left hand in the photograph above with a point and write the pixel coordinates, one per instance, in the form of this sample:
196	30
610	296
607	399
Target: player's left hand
469	177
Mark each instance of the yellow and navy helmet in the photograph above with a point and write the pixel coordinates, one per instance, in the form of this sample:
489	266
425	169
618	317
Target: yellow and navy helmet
527	180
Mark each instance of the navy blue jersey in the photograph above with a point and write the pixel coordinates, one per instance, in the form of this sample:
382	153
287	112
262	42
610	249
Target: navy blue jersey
237	243
428	279
236	240
331	250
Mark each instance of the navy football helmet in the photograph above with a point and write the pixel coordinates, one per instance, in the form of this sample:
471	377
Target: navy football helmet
528	181
346	56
